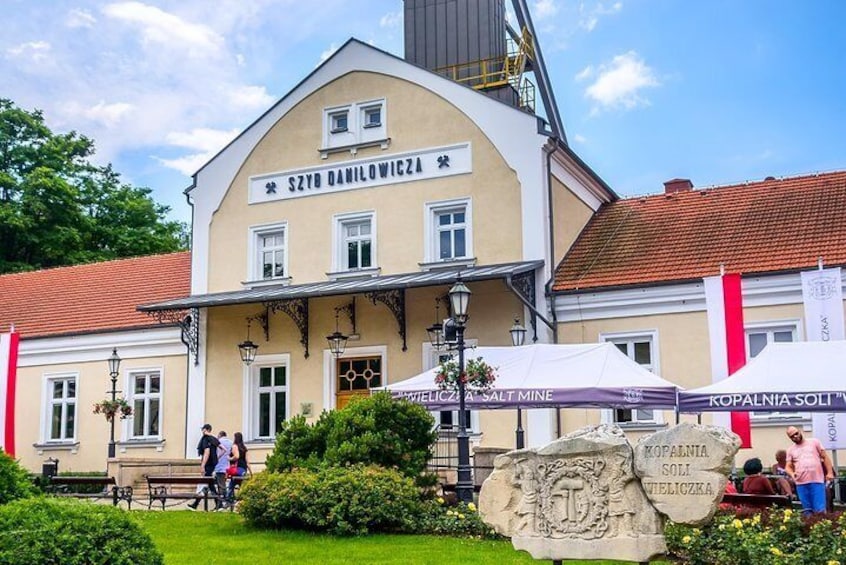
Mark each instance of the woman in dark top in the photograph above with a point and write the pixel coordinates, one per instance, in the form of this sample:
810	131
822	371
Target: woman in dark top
755	482
238	457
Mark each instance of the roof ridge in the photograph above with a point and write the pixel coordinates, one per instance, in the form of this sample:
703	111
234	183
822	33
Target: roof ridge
93	264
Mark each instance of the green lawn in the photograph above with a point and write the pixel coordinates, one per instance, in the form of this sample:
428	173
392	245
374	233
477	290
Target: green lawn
220	538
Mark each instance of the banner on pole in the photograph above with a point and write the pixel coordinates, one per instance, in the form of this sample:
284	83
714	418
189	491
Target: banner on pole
822	296
8	374
724	307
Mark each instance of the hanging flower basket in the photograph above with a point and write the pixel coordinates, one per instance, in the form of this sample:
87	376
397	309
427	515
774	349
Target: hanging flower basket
478	376
109	408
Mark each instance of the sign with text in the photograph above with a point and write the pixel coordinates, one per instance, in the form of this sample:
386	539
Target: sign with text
424	164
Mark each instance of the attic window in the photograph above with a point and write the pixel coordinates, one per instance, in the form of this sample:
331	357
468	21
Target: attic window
339	122
373	117
350	127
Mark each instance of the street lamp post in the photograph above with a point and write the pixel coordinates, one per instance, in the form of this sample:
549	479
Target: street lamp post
114	371
459	296
518	337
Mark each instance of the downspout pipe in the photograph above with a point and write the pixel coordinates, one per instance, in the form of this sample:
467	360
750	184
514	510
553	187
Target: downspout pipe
551	224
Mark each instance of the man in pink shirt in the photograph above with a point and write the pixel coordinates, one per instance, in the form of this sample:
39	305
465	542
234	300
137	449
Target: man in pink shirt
809	467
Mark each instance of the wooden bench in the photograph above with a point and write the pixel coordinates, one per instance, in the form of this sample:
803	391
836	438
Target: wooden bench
757	500
161	488
63	486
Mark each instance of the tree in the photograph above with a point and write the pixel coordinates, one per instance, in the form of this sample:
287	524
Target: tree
57	208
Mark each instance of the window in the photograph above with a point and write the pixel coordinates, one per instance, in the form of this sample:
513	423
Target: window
641	349
269	253
355	242
449	231
270	400
61	408
353	125
146	404
340	122
757	337
373	117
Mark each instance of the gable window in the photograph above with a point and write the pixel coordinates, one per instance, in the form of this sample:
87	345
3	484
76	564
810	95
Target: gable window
642	349
61	408
146	404
449	236
355	243
355	125
269	255
340	122
269	400
757	338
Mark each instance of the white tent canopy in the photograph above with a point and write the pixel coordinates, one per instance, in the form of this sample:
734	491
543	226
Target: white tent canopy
547	376
808	376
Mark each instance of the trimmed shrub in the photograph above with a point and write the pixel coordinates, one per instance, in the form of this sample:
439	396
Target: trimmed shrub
776	537
15	482
461	520
352	500
70	532
374	430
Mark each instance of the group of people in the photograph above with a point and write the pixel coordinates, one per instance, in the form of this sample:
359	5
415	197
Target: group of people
222	459
804	468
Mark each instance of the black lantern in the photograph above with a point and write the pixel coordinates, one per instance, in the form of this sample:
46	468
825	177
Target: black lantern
518	333
247	348
436	330
459	298
337	340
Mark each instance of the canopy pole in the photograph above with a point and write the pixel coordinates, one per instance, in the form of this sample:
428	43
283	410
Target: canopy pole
520	441
677	407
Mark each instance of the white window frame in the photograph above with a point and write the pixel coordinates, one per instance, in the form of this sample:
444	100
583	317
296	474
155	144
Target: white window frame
359	130
432	210
251	394
650	336
47	408
430	361
339	244
770	327
255	264
131	396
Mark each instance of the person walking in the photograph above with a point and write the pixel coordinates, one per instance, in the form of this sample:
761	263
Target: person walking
237	459
810	467
207	450
223	452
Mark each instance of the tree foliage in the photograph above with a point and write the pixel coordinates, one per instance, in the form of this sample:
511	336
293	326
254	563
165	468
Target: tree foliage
58	208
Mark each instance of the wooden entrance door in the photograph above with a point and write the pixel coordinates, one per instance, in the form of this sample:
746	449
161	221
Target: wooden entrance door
356	376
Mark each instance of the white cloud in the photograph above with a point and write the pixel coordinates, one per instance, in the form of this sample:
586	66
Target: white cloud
544	9
160	27
108	114
205	141
80	18
36	51
254	97
589	17
578	138
391	20
619	84
585	73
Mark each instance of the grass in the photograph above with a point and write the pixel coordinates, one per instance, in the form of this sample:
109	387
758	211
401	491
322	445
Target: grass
224	538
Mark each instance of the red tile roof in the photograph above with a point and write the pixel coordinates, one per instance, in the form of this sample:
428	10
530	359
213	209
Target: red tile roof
757	227
91	298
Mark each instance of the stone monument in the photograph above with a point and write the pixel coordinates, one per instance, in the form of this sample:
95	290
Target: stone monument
583	496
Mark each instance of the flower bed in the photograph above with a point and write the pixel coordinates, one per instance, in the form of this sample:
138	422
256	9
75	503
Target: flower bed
776	537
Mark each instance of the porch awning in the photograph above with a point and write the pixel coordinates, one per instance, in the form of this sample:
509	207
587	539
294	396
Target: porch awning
345	286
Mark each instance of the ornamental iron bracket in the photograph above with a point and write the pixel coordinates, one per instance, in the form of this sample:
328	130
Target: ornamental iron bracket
395	301
189	324
297	310
349	310
524	286
263	318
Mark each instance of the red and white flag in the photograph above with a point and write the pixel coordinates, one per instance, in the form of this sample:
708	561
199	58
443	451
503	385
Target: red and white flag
724	305
8	373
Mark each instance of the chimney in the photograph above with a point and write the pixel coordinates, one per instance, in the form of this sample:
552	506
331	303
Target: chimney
677	185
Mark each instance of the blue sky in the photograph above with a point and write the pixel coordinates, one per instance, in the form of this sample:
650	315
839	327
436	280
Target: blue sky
717	91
